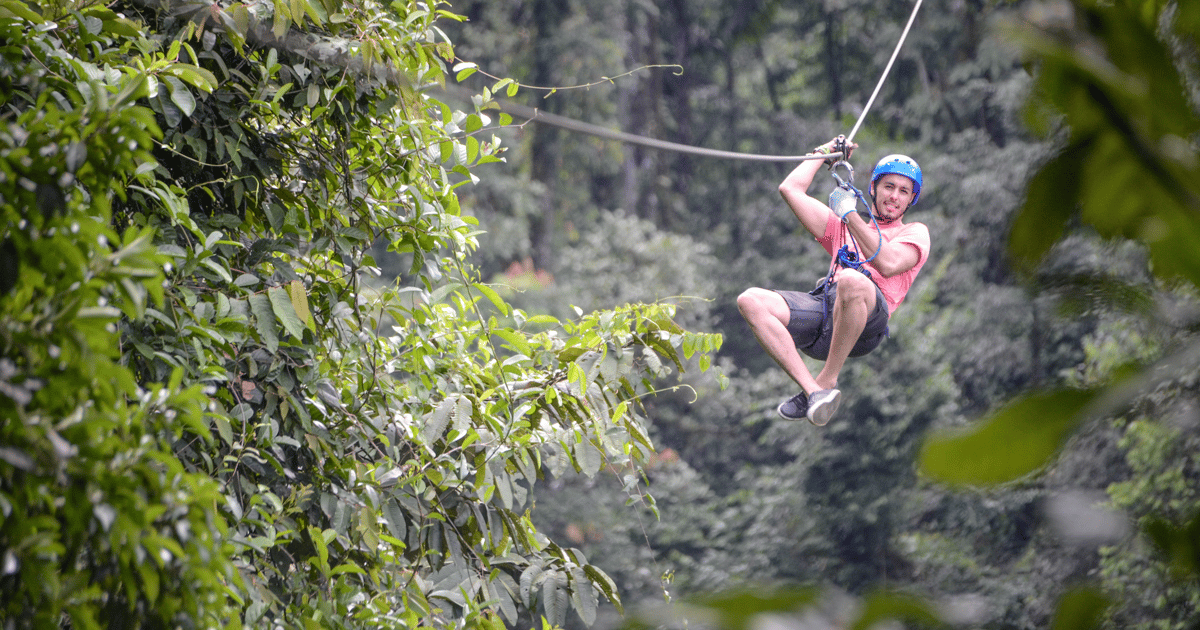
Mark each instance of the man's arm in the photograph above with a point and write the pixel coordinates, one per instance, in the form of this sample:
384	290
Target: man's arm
812	212
893	258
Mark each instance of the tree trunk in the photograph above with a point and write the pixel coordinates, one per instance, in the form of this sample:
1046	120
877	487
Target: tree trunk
681	108
833	64
545	156
631	108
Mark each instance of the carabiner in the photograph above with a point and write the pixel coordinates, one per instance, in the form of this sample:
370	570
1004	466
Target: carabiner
847	183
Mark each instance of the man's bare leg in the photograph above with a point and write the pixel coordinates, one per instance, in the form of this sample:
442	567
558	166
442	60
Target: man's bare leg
768	315
854	299
854	302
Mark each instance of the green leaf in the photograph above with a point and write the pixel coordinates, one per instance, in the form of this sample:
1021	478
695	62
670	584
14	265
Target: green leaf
299	299
1052	197
170	111
281	303
1179	545
181	96
223	427
1015	442
218	269
738	609
264	321
607	586
441	292
246	280
319	543
316	10
16	8
529	578
555	598
98	312
150	580
588	457
884	606
583	596
515	340
495	298
122	27
503	483
436	422
281	21
393	517
1081	609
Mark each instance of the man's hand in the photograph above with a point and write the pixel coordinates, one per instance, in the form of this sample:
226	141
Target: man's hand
836	145
845	206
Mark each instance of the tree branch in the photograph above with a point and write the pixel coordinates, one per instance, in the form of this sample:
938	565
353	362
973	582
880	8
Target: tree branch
326	51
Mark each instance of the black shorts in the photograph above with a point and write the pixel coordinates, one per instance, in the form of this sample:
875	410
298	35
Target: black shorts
811	321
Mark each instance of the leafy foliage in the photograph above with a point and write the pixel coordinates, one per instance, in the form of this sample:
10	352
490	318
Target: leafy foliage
1112	119
1114	73
100	520
213	414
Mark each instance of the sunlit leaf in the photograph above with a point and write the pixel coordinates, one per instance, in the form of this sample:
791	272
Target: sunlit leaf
299	298
436	422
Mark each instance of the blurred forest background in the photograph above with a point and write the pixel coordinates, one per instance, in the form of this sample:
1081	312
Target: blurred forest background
744	497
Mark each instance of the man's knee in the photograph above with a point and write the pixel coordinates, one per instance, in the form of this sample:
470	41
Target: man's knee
853	285
755	302
748	301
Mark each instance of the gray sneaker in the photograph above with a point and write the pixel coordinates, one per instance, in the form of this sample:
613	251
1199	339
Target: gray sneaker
795	407
822	405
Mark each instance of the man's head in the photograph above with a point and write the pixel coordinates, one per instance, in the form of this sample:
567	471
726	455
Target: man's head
895	186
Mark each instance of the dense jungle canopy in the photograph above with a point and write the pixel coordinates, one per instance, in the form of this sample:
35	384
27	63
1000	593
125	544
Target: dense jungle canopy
301	330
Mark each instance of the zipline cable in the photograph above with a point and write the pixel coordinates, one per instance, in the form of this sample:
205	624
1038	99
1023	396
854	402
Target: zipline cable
886	70
570	124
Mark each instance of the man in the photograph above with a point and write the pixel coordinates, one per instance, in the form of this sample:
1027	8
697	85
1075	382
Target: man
848	317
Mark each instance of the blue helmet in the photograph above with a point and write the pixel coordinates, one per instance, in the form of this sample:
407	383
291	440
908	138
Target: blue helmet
899	165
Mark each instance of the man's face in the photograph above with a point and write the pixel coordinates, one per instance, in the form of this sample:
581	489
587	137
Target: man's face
893	194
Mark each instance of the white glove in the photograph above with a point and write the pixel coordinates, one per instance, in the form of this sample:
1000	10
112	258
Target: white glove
845	207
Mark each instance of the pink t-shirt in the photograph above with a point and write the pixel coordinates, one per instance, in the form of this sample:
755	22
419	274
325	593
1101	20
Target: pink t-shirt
895	288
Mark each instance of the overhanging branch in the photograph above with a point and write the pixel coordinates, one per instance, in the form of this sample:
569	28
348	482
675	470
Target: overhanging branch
326	51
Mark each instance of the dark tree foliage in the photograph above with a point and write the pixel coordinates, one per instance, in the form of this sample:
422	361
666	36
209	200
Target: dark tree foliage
213	412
